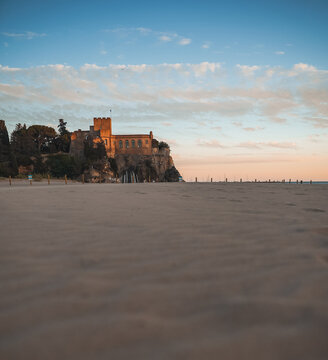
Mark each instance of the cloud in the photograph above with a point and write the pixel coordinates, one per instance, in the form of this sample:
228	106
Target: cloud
248	70
206	45
180	91
143	30
165	38
29	35
321	123
5	44
304	67
257	128
210	144
9	69
270	144
185	41
279	52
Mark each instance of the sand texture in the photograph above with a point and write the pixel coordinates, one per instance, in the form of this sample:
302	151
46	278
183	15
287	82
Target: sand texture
164	271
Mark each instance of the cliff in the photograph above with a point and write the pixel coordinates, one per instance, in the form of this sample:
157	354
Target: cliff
158	167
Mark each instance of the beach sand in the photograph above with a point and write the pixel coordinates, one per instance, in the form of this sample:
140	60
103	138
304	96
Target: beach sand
163	271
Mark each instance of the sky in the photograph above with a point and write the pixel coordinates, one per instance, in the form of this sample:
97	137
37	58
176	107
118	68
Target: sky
238	89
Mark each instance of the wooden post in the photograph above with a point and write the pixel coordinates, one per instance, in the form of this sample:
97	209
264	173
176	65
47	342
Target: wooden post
301	181
255	180
195	179
211	179
290	180
10	180
310	181
297	181
66	179
82	178
48	179
241	180
226	180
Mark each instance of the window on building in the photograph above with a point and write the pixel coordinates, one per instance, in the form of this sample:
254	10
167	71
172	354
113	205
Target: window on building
105	141
126	144
139	143
133	143
146	141
120	144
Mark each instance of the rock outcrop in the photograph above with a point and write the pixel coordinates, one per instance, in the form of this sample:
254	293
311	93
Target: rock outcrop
158	167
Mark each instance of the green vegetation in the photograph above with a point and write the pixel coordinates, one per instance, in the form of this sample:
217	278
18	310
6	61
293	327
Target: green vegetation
163	145
38	150
60	165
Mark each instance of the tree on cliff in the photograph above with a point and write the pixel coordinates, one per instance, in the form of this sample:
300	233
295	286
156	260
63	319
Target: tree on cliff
22	145
8	164
64	139
163	145
4	142
43	137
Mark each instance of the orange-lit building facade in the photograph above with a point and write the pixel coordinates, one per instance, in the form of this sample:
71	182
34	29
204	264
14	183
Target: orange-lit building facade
114	144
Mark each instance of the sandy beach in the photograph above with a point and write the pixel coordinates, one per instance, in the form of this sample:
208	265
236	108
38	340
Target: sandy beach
164	271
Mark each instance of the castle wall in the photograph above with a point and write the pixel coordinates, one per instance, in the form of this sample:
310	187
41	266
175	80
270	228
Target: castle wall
132	144
114	144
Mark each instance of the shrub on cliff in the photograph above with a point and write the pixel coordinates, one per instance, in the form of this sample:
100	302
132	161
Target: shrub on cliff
172	175
163	145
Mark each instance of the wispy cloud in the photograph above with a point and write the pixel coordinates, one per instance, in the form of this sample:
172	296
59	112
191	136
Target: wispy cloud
210	144
270	144
257	128
163	36
29	35
185	41
279	52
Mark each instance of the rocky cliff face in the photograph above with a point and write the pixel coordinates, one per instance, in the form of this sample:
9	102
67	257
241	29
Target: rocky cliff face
134	168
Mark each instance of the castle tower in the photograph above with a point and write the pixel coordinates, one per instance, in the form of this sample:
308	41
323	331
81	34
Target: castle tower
104	126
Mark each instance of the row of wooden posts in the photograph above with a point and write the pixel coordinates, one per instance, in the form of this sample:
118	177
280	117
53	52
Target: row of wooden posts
196	180
241	180
48	178
65	178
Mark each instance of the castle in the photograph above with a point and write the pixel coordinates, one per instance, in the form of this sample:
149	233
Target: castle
101	131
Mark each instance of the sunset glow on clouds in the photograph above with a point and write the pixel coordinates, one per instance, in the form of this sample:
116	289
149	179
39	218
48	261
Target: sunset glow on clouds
221	116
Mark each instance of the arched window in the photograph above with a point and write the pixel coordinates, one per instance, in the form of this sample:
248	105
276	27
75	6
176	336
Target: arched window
133	143
139	143
126	144
120	144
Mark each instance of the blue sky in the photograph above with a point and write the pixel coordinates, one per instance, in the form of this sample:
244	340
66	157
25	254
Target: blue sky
78	32
236	87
